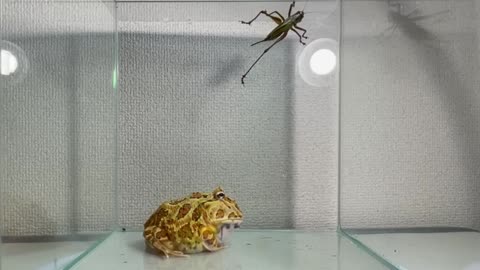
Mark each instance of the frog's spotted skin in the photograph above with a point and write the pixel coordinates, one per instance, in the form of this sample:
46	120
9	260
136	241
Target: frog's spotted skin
192	224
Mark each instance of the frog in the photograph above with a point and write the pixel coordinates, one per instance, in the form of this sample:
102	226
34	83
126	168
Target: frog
197	223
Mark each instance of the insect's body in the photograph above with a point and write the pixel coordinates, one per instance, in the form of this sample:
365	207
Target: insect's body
278	31
286	25
281	31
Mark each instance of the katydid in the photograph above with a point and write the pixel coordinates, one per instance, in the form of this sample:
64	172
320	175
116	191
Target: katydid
279	32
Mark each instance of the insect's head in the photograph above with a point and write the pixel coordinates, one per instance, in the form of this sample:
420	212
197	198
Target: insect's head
298	16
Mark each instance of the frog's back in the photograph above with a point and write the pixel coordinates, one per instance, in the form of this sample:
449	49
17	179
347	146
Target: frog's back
170	210
159	214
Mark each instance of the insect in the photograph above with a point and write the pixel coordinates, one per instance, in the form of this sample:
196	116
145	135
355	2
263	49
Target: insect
279	32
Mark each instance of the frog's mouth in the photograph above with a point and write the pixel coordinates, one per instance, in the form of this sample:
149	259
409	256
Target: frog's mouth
226	229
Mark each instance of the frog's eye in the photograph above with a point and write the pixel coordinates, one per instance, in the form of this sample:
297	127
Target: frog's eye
220	195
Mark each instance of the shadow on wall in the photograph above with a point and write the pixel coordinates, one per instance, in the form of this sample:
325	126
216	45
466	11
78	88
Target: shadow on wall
26	219
458	98
187	124
410	139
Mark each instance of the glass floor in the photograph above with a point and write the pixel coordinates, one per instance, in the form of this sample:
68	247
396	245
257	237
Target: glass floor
46	254
261	249
250	249
423	249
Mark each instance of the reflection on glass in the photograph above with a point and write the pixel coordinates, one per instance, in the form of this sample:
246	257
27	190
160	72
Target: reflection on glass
323	61
317	63
13	63
8	63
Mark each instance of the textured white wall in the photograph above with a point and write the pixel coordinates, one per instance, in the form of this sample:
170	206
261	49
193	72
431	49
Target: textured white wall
188	125
57	126
410	147
185	122
410	120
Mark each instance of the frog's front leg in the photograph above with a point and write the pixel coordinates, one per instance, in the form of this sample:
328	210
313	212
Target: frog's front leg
210	239
157	239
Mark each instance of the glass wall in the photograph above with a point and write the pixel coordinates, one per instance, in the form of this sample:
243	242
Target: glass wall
57	135
409	130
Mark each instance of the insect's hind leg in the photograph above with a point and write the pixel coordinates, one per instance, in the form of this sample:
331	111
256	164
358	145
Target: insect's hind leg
275	19
264	52
258	42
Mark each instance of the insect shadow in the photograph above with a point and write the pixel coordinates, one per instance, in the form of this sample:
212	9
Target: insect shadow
453	90
408	22
226	70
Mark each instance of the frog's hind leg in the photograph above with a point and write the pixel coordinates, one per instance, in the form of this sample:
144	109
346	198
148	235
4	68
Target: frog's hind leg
158	241
162	246
213	247
210	241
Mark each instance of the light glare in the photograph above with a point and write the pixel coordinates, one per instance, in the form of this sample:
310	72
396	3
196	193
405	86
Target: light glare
8	63
323	62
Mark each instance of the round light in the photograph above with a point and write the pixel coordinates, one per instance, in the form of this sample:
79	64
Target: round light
8	62
14	64
317	62
323	61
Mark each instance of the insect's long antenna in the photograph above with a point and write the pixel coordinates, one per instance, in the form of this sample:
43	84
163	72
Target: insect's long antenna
313	12
304	6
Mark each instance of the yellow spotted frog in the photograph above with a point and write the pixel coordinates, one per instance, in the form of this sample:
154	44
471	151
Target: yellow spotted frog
199	222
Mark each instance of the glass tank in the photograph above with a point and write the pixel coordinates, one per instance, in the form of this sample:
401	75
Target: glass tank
57	130
409	131
335	134
191	119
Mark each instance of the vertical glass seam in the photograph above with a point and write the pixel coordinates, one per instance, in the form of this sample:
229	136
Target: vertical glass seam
339	114
116	115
